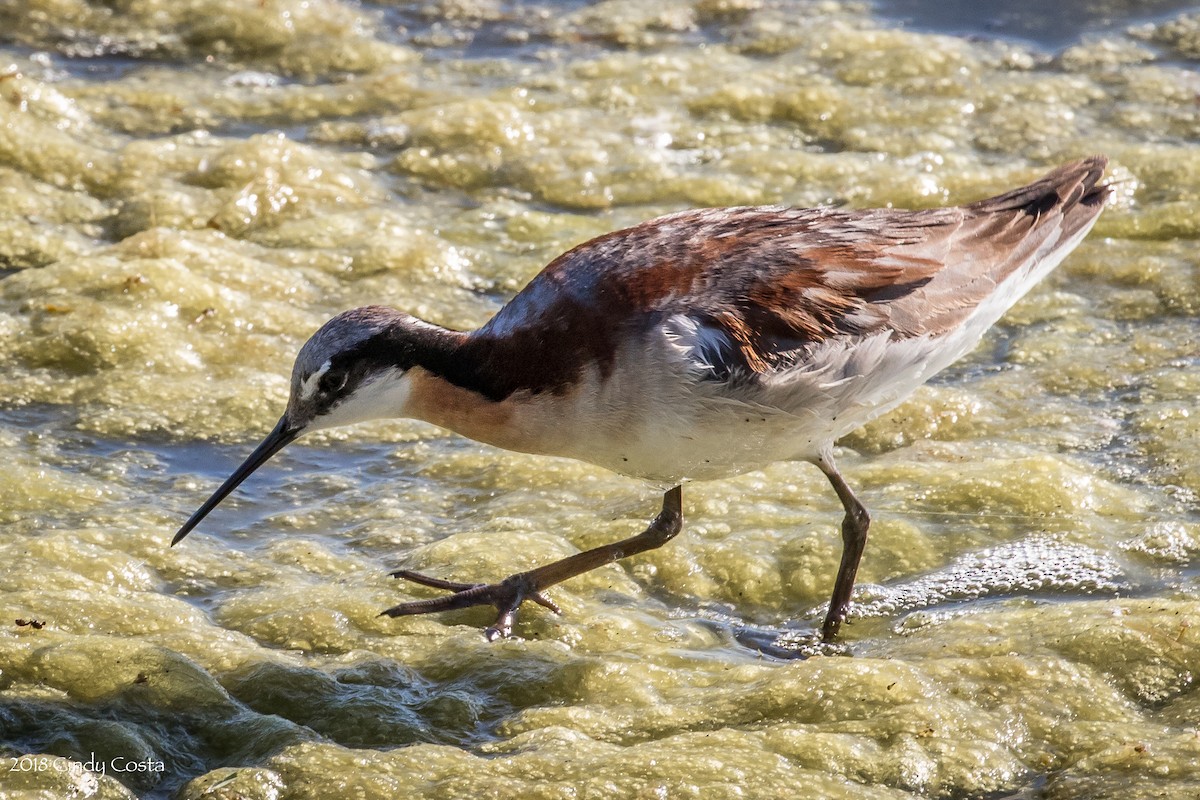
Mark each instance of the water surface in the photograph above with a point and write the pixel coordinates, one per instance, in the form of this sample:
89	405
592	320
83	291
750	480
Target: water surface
189	189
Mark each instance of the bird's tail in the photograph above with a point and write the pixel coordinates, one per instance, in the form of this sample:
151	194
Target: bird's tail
1054	211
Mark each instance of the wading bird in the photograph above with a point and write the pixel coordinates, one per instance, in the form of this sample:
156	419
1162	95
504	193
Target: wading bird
695	346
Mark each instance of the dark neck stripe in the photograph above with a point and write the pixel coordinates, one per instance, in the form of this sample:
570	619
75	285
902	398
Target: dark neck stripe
405	347
480	366
529	360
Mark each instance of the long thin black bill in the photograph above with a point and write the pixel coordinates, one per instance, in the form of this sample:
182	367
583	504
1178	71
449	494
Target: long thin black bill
276	440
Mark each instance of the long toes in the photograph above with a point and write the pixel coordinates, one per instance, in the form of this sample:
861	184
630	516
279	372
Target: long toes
544	602
502	628
433	583
507	596
472	596
509	603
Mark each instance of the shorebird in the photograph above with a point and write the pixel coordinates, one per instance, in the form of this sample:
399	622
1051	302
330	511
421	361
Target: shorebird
696	346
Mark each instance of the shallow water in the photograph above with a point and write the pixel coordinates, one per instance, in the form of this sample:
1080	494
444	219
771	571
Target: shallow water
188	189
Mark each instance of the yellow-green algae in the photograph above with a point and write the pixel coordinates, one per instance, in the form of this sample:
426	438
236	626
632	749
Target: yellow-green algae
176	222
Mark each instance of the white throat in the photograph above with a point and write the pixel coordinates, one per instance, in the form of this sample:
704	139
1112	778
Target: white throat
384	397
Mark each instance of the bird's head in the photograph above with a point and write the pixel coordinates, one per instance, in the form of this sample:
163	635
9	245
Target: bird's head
353	369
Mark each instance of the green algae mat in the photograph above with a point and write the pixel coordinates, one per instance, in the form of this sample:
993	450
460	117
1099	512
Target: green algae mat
189	188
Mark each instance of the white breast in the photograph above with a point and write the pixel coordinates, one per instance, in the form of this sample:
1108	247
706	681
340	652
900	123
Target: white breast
657	416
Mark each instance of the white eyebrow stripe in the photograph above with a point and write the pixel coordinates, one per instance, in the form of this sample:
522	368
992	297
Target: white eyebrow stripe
308	386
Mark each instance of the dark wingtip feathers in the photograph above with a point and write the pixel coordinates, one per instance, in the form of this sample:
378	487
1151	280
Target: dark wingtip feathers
1096	193
1072	194
1077	182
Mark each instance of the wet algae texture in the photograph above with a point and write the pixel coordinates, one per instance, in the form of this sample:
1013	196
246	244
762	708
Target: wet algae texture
188	188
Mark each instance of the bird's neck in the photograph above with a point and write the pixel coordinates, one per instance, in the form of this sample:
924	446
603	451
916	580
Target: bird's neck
488	387
460	359
450	383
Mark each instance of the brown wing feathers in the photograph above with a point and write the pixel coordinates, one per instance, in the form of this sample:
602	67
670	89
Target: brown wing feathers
776	279
1000	235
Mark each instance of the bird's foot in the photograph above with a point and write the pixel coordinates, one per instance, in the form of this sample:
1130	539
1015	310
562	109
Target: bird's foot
507	596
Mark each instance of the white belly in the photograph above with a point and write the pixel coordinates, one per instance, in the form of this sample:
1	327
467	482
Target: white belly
656	417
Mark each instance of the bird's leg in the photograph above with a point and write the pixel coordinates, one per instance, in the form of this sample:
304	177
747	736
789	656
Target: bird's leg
854	539
508	594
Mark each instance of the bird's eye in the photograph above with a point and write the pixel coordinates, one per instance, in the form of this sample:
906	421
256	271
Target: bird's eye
333	381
